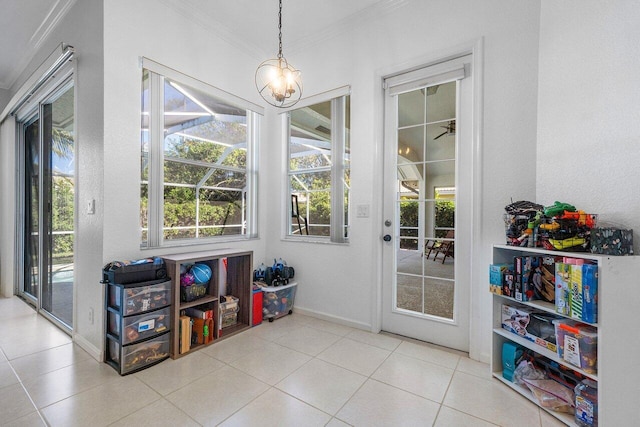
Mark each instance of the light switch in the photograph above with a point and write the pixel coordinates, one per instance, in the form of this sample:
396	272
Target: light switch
362	211
91	207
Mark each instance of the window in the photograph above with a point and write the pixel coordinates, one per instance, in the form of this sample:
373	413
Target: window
318	169
197	169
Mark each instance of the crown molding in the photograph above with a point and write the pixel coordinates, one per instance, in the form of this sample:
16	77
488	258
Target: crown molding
48	24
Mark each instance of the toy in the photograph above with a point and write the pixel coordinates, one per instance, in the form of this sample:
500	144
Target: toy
277	275
558	208
201	273
187	279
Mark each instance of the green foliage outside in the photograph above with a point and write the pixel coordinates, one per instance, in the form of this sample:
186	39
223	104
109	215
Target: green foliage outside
218	207
444	217
62	218
62	203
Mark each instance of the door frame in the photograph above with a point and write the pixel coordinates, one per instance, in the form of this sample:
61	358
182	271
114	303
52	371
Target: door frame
476	49
46	92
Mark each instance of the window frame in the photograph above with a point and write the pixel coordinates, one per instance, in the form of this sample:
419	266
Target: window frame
155	182
340	213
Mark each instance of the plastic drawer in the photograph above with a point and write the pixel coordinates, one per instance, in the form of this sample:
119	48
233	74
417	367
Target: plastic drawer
133	357
139	327
137	298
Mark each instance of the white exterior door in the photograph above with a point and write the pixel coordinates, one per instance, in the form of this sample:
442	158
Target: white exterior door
427	203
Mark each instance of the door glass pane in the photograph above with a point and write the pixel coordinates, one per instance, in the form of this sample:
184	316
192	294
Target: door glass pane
425	204
32	203
58	298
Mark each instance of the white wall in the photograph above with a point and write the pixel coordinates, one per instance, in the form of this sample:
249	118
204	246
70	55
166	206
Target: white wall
7	206
81	28
337	281
340	281
151	29
588	123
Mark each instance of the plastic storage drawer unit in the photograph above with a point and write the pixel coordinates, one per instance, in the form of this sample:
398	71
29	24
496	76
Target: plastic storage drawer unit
140	326
130	358
577	344
136	298
277	301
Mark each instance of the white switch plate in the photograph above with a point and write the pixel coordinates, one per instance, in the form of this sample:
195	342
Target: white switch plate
91	207
362	211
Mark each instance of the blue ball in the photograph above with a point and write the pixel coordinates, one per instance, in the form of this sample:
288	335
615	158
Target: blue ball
201	273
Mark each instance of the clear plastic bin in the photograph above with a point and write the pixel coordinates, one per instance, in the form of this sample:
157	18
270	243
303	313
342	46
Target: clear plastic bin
129	358
577	344
139	297
139	327
277	301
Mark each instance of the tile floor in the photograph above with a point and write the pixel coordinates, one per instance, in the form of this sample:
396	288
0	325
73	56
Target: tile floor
296	371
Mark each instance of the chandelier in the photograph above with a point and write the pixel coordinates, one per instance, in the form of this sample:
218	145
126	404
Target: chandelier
276	80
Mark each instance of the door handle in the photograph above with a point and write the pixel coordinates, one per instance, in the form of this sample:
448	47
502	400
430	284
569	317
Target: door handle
387	238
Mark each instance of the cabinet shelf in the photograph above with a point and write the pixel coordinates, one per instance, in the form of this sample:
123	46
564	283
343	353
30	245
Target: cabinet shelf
231	275
565	418
618	299
199	301
541	305
540	350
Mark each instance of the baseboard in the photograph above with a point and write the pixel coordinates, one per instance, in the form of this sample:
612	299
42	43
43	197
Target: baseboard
88	347
331	318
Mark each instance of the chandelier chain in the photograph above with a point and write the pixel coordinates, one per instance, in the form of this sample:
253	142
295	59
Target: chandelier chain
280	31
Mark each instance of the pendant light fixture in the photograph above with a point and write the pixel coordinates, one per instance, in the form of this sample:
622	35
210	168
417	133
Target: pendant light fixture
276	80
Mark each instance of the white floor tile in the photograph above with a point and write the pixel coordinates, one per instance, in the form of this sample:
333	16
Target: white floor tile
170	375
378	404
24	344
428	353
308	340
160	413
415	376
64	382
30	366
32	420
473	367
101	405
337	423
332	328
216	396
355	356
14	403
7	376
277	409
448	417
548	420
382	341
235	347
490	400
272	364
322	385
297	370
271	331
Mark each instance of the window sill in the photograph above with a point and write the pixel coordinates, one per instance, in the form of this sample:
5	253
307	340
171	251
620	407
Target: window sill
312	239
200	242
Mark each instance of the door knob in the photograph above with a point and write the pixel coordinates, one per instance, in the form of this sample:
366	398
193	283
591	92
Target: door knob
387	238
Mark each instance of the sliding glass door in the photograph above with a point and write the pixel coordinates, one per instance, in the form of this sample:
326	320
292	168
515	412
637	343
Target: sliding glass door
49	205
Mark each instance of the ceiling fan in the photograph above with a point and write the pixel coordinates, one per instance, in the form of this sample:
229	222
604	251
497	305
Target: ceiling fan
450	129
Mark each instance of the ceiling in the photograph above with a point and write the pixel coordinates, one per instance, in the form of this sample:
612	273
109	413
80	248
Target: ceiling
251	25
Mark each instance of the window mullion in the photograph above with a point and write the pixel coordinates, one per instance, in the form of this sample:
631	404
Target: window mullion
338	127
156	160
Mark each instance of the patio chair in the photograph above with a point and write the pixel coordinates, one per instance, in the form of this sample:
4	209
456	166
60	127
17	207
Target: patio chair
444	246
